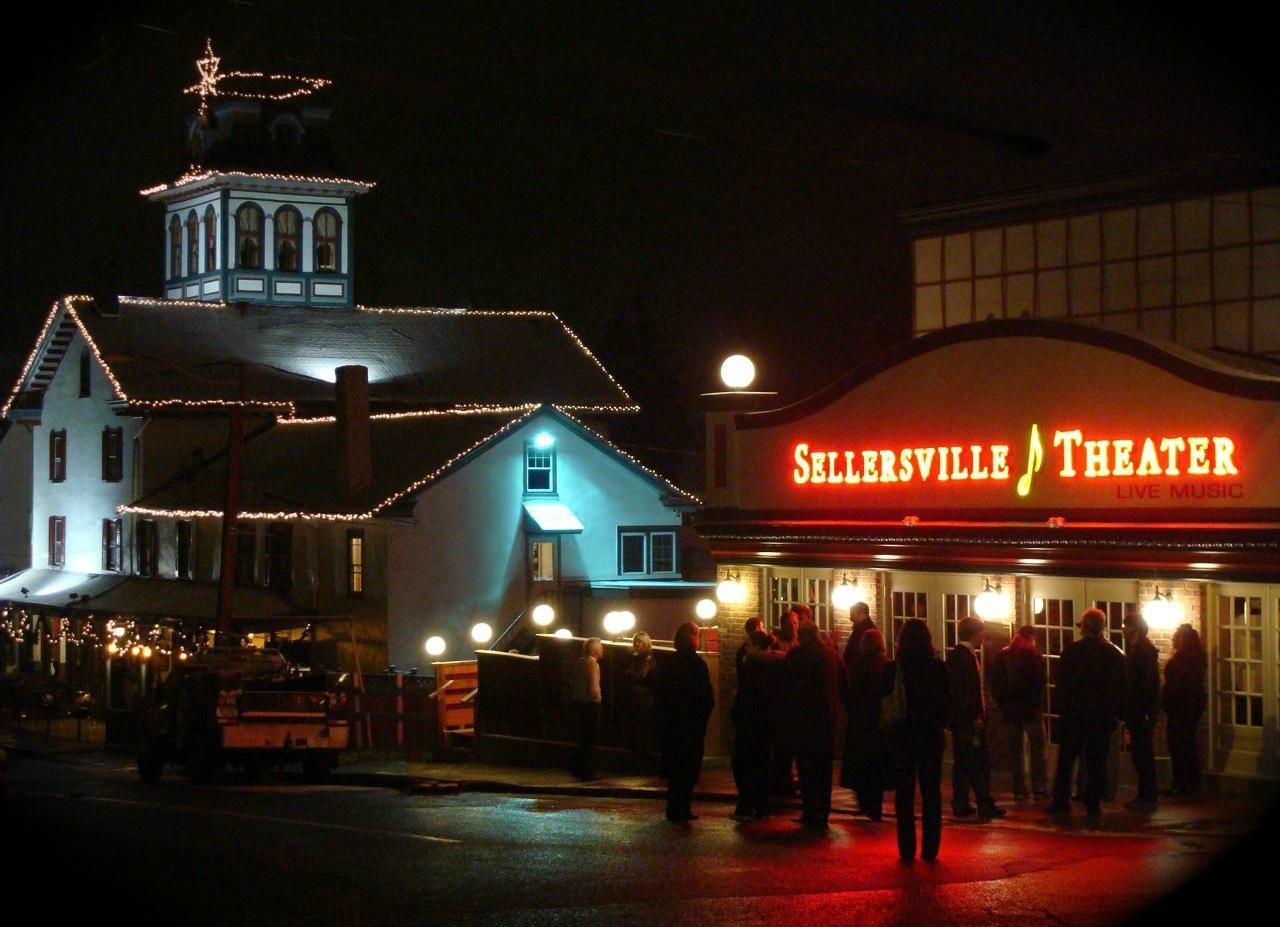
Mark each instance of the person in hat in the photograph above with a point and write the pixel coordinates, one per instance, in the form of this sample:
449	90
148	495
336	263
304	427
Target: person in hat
1141	707
1090	697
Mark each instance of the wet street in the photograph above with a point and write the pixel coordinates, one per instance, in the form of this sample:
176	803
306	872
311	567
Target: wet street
282	852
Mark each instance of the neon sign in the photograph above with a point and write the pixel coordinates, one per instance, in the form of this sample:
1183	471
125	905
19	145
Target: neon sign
1075	455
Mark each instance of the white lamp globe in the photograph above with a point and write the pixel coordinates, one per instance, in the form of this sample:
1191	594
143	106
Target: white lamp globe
737	371
543	615
731	592
844	596
435	645
481	632
626	621
705	609
989	605
612	624
563	633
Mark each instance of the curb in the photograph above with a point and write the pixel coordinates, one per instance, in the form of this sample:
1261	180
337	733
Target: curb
428	785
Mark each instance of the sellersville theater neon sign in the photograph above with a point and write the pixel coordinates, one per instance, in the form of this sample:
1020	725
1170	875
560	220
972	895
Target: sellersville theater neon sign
1072	454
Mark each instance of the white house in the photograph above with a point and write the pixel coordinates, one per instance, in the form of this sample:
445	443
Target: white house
396	478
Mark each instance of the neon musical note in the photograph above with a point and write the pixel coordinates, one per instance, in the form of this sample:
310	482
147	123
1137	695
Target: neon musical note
1035	459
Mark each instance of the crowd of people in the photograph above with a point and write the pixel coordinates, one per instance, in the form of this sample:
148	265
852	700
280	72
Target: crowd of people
794	687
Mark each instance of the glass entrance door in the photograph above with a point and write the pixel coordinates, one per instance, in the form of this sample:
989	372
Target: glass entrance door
1244	678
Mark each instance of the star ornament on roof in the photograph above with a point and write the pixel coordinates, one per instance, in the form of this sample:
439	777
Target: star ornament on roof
247	85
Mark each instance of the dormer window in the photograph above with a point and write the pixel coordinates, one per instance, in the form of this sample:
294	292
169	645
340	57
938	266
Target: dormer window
288	238
327	228
175	248
210	239
193	244
540	465
249	237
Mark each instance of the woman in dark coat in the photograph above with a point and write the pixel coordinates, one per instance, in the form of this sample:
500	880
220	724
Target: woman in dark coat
862	768
682	687
916	738
1183	700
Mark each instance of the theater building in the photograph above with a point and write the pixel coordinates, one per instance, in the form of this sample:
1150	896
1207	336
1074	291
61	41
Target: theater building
1022	470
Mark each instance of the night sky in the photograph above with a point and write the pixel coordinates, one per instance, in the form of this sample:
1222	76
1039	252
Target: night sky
676	185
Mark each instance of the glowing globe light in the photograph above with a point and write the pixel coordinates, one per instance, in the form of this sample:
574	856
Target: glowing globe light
990	605
731	592
1162	611
146	653
543	615
117	631
1037	605
626	620
705	609
481	632
135	650
182	656
434	645
845	596
563	633
737	371
113	648
543	440
613	624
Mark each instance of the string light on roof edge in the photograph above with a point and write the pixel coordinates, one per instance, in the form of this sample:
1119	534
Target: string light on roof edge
147	512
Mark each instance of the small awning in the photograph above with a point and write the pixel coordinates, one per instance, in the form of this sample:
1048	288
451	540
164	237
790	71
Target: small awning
60	589
551	518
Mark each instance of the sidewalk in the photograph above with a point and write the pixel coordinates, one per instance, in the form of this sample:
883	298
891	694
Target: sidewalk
1214	816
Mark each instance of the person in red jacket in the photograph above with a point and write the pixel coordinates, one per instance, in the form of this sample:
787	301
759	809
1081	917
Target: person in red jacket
1018	683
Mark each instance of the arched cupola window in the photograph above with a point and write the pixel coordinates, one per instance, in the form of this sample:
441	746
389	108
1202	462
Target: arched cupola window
210	239
249	237
175	248
288	225
193	244
327	228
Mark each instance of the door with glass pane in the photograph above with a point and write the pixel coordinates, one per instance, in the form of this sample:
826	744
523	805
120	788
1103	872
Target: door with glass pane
909	596
1055	608
1244	678
788	587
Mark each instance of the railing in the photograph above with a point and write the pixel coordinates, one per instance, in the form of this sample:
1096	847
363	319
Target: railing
501	638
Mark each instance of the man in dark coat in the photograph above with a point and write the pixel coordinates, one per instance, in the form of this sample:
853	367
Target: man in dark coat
860	619
684	699
816	684
1090	696
1141	707
753	712
971	760
754	623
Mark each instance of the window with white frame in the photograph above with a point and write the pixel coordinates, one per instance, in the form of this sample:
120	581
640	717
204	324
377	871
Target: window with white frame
647	552
539	468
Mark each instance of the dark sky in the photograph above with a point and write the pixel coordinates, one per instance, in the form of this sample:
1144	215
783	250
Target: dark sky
675	184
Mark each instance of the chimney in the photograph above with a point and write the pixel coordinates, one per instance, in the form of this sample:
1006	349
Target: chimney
353	427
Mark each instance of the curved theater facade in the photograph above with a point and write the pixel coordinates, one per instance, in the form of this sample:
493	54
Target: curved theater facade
1058	466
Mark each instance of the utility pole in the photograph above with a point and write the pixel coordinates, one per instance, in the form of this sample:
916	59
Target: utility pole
230	514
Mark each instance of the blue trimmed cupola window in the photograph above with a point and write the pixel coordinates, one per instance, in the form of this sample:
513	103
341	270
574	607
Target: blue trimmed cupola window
327	228
288	231
210	239
249	237
175	248
193	244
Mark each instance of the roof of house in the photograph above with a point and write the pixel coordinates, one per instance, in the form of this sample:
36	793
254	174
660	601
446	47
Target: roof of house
408	453
160	353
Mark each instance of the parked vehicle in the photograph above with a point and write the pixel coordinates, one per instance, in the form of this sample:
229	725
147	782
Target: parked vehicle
246	707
